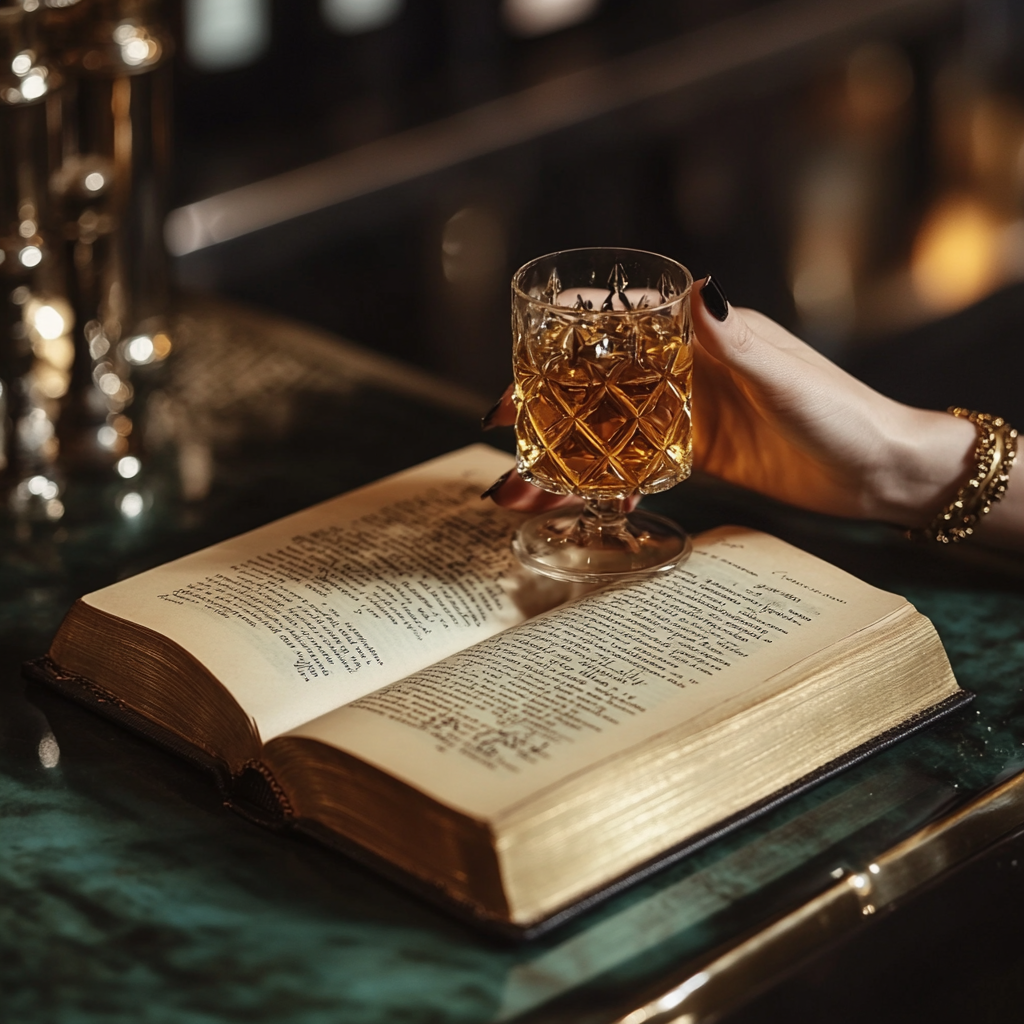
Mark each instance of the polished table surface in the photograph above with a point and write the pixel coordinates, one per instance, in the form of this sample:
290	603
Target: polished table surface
128	893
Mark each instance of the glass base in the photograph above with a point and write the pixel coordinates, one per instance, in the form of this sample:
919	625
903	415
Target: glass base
598	546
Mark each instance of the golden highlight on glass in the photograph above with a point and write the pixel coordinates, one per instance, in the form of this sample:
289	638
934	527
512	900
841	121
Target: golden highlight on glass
602	361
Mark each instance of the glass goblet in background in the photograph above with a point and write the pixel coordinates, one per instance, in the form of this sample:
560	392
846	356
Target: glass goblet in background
602	362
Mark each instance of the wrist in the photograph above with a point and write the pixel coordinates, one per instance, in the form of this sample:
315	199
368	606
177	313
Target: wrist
926	458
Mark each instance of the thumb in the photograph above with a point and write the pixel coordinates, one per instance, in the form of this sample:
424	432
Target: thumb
745	339
723	331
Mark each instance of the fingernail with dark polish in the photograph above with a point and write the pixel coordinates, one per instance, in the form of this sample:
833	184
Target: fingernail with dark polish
485	420
496	486
714	298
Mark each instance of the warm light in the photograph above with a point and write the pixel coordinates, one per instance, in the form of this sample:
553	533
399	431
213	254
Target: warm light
59	352
98	344
538	17
355	16
110	384
671	999
131	504
33	85
107	436
31	256
48	322
140	350
94	181
48	750
225	34
49	381
136	46
128	467
161	346
136	51
27	228
36	429
42	487
956	255
22	64
46	489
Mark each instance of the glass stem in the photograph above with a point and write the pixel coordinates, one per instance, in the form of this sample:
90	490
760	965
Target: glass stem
604	520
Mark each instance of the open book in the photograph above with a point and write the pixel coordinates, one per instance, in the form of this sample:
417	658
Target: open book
378	672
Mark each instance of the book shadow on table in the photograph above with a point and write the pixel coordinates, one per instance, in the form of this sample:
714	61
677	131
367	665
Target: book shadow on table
131	777
673	917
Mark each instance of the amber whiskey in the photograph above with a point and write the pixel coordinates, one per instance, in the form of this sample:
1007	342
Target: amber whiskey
603	399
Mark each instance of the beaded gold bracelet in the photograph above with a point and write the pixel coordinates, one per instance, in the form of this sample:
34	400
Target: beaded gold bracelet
993	458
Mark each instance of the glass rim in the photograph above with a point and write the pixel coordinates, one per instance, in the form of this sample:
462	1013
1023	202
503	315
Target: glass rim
684	294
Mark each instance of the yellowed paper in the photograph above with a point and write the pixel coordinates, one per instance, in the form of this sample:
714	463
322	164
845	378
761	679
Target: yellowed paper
530	707
318	609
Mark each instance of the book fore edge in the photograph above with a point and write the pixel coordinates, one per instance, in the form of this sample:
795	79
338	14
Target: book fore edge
246	793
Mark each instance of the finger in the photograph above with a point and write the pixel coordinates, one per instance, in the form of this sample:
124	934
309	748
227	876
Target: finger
723	330
759	352
744	339
512	491
502	413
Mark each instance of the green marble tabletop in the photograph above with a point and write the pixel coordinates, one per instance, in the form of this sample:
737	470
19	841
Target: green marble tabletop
129	894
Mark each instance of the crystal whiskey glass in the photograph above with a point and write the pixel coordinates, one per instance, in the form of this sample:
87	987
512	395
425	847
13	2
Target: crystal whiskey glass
602	363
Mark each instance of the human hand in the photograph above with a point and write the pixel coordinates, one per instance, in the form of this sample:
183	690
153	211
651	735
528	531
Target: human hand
772	414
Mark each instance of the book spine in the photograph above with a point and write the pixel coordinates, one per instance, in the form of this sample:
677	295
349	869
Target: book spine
95	698
256	795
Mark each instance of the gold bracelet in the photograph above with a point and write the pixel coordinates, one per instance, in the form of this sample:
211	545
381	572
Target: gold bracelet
993	458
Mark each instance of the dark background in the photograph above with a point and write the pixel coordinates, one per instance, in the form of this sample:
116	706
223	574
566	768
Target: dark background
853	170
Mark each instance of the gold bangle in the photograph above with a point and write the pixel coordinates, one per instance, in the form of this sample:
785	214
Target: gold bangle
993	458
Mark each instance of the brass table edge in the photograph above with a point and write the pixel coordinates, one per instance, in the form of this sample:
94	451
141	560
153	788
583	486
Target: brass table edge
724	982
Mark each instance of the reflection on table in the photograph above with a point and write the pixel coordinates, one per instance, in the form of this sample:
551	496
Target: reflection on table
128	885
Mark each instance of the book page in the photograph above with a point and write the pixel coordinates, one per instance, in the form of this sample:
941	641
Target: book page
322	607
524	710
